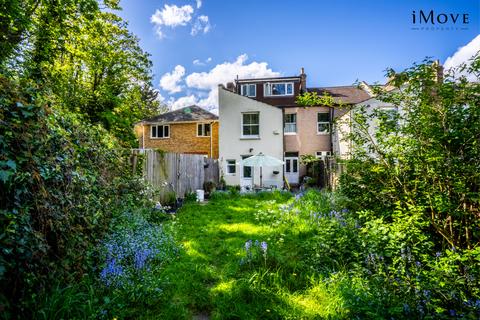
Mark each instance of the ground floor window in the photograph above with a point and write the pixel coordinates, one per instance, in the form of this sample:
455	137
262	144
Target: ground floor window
231	167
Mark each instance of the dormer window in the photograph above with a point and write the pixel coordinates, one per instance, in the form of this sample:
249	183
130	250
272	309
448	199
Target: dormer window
279	89
248	90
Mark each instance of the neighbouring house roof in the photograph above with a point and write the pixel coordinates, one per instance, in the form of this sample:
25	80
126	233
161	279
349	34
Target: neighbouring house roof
343	94
191	113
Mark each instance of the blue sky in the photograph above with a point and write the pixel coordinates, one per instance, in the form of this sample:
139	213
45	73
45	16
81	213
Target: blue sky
337	41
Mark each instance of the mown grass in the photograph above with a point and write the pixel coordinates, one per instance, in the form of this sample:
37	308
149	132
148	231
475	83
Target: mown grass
208	279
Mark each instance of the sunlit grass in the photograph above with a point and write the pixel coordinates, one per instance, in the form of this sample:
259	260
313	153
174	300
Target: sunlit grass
245	228
209	277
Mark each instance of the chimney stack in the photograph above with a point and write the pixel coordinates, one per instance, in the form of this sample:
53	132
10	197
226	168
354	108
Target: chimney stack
303	80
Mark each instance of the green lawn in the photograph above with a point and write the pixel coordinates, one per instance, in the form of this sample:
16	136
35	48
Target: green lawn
209	279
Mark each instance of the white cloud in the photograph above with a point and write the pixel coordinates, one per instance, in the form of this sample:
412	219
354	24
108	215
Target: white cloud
197	62
170	81
463	54
182	102
171	16
201	25
199	4
204	82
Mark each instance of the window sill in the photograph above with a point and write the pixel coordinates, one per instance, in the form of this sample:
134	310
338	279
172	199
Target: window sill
159	138
250	138
203	136
290	133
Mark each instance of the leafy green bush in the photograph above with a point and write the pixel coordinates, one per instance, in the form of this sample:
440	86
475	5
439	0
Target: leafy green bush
62	180
412	184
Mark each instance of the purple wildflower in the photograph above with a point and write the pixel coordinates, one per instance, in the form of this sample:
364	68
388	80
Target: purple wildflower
264	246
248	245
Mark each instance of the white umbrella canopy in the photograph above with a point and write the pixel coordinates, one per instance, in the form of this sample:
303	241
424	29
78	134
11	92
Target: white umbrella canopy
261	160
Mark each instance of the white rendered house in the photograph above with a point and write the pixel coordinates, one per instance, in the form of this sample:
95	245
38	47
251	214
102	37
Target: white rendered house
248	127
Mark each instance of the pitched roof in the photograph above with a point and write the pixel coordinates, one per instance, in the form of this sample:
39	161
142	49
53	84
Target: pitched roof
343	94
190	113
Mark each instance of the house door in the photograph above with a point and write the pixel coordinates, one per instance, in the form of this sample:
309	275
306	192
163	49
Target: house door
291	169
246	180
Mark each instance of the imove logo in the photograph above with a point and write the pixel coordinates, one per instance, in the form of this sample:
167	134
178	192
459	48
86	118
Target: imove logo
431	20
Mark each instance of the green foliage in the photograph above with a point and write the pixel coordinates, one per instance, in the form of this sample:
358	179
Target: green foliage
413	185
73	80
190	197
61	183
426	155
309	99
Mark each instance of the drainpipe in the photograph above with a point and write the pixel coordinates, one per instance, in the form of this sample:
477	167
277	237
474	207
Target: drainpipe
283	146
211	139
143	135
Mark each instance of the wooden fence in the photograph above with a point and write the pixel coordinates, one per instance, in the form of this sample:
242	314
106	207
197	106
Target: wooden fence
175	172
327	172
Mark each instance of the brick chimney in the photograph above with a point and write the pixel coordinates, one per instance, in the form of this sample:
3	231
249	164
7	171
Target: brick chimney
231	86
303	80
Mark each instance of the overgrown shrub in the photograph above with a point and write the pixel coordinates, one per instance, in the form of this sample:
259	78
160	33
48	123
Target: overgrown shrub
62	180
413	185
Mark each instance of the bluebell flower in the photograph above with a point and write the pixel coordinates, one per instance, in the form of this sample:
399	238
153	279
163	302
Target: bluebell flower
248	245
264	247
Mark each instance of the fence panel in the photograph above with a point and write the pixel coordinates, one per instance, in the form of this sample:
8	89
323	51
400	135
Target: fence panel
174	172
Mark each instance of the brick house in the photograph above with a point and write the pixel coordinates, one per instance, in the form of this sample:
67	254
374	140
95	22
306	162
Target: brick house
190	130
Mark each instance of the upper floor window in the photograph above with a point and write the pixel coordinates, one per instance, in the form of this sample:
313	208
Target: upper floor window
290	123
249	90
160	131
279	89
250	124
323	122
203	130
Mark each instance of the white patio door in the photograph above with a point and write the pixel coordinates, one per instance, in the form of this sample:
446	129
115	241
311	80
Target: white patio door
291	169
246	179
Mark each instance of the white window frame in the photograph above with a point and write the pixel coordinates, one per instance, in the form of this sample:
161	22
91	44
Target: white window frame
163	131
202	125
290	123
322	154
244	89
254	136
229	165
324	122
267	89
